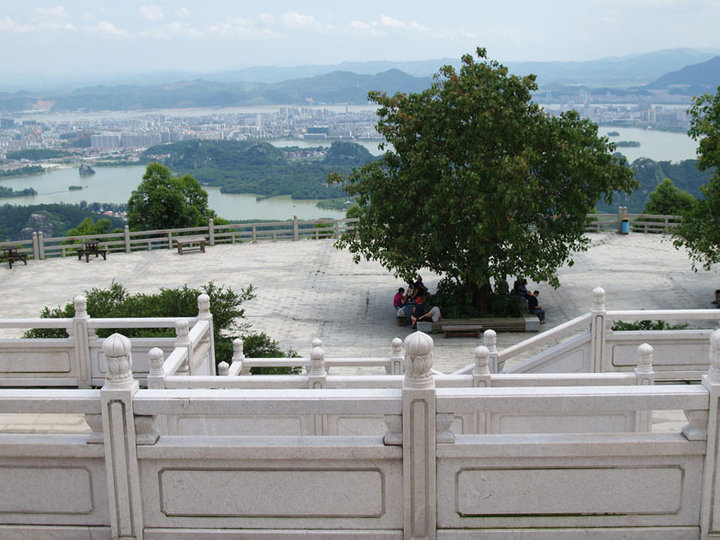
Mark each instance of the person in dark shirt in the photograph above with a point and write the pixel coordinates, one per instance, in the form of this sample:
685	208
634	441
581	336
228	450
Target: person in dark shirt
420	310
534	307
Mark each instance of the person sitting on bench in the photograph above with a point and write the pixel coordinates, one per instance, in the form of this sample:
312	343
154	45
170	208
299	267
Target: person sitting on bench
534	308
433	315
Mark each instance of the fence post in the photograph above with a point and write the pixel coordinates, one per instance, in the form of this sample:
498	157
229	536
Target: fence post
419	439
183	340
205	315
119	437
36	249
490	341
396	359
317	377
645	376
709	508
597	330
481	371
127	239
41	245
296	229
211	232
82	342
156	375
170	240
254	234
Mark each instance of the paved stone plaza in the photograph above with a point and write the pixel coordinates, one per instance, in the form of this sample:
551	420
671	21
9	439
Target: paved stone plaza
309	289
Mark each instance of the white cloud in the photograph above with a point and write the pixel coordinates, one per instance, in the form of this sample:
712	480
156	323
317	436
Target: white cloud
295	20
174	29
151	13
11	26
385	25
109	29
57	11
182	13
240	28
267	18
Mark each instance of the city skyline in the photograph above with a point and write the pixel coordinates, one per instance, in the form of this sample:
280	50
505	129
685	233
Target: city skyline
59	38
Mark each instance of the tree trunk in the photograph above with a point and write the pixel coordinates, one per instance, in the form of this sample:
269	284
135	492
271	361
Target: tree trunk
480	295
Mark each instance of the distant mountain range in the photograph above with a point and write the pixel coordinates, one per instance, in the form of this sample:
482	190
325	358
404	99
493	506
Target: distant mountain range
678	71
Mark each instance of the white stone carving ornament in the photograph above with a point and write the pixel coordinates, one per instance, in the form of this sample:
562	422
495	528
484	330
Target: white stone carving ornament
117	351
418	361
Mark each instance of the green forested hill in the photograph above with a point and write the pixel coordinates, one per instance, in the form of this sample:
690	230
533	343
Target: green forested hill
261	168
19	222
684	174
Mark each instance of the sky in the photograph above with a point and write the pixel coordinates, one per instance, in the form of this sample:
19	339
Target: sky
100	36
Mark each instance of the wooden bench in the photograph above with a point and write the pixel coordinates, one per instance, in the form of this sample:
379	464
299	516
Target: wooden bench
185	242
91	247
12	255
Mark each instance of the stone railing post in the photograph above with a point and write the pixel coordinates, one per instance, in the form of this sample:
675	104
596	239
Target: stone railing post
182	332
205	315
126	234
645	376
238	364
597	330
156	375
211	232
296	229
317	377
490	341
396	359
41	246
81	335
709	510
35	247
169	237
481	371
121	463
419	439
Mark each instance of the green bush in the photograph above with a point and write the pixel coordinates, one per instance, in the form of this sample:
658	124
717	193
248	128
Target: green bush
455	303
225	306
621	326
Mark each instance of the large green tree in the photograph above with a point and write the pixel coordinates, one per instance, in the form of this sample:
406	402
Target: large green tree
668	200
478	182
162	201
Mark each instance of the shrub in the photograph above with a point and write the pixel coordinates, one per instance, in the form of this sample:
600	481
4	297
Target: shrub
621	326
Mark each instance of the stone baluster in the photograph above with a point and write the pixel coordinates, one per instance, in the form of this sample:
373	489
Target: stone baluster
211	232
238	365
709	517
490	341
481	371
419	438
296	229
41	245
396	359
156	375
317	377
182	333
80	334
223	369
645	376
121	463
126	236
35	247
204	314
597	329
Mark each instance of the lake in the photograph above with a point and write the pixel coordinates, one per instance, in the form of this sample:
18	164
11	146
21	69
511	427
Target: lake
114	184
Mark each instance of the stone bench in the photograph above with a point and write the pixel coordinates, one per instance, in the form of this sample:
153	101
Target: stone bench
466	327
184	243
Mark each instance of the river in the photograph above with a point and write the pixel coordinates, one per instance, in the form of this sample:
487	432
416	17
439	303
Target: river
114	184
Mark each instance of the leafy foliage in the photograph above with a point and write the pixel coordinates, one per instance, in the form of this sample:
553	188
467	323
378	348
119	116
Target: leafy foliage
161	201
88	227
647	325
456	303
479	183
668	200
699	231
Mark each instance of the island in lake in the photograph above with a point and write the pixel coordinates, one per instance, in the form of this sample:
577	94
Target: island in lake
75	188
86	170
613	134
627	144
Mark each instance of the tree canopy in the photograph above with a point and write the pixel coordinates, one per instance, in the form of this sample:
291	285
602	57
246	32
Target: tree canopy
479	183
668	200
162	202
699	231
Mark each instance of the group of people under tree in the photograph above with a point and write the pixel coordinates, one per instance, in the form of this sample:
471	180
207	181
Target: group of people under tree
534	307
410	303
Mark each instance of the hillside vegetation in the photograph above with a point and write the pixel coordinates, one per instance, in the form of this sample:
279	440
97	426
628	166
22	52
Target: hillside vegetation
261	168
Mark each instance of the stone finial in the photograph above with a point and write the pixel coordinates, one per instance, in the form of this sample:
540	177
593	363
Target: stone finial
317	358
223	369
238	352
203	302
182	331
644	358
156	362
117	351
714	371
397	346
317	342
80	307
418	361
482	361
598	299
490	339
